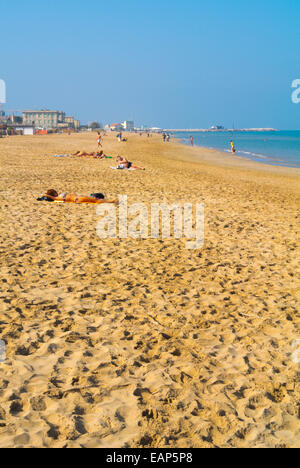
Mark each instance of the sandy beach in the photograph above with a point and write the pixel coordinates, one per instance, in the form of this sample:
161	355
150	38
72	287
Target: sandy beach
143	343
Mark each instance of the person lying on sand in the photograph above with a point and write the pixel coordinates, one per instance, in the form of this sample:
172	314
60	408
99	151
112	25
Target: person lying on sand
99	155
52	195
81	154
123	163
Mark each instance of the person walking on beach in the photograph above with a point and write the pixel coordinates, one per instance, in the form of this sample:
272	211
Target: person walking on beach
233	150
99	140
168	138
164	136
192	140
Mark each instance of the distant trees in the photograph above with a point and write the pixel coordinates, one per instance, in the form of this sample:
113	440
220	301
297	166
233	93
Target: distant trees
95	125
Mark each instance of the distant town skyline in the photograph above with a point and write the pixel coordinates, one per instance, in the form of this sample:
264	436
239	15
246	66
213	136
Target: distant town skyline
170	64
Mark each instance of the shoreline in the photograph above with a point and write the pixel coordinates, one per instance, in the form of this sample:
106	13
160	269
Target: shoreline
224	130
237	157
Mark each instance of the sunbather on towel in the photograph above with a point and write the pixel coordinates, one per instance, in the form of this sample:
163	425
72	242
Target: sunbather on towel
123	163
81	154
99	155
52	195
94	154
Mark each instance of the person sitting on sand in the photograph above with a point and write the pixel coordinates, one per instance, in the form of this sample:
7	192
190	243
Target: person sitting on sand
99	155
123	163
52	195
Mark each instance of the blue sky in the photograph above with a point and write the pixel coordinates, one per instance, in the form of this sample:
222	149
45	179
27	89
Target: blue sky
168	63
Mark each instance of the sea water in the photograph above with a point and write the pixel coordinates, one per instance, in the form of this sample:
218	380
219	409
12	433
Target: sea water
279	148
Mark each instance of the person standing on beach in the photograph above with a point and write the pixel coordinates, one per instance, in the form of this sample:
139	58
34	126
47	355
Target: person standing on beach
233	150
192	140
99	140
168	138
164	137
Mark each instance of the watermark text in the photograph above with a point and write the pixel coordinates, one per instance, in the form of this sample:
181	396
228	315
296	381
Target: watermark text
296	93
136	221
2	92
2	351
296	353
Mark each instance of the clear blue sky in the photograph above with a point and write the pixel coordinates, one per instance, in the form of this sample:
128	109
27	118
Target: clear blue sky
170	63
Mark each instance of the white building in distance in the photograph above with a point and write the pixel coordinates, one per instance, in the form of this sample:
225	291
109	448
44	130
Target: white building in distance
128	125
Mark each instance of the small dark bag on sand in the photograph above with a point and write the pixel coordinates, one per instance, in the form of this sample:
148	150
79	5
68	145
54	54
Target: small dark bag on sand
98	195
45	199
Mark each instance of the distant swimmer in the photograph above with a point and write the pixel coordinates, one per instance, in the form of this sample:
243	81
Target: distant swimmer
233	150
192	140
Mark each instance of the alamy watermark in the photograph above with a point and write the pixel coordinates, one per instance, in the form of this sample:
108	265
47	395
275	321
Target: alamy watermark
2	351
136	221
296	353
2	92
296	93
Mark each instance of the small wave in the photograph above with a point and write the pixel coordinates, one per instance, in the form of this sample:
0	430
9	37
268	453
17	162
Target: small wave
254	155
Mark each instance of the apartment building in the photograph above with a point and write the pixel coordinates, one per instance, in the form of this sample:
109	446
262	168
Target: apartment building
43	118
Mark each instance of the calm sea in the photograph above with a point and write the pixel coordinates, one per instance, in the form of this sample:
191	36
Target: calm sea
280	148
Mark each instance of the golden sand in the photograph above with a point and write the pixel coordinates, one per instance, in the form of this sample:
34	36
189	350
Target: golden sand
131	343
